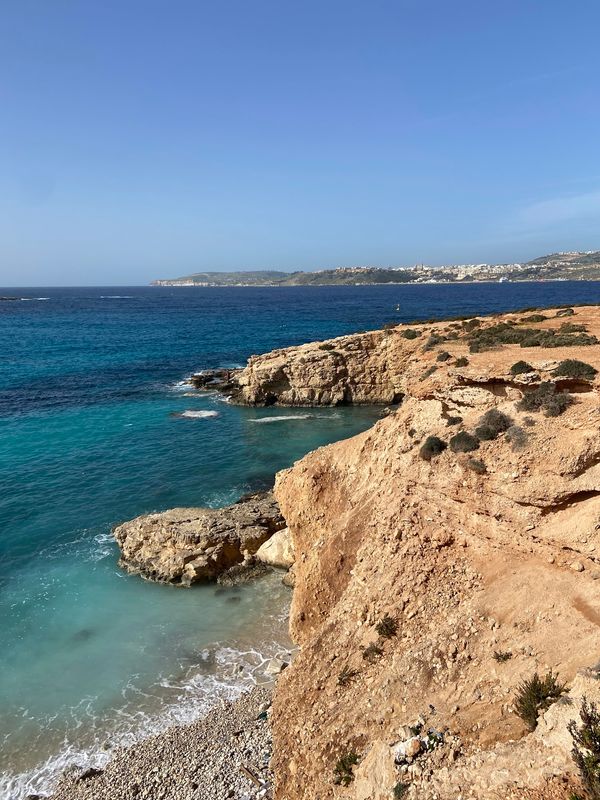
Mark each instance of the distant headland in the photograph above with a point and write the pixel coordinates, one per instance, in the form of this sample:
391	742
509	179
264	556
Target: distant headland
571	266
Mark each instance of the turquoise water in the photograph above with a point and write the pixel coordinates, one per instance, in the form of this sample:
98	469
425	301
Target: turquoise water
89	384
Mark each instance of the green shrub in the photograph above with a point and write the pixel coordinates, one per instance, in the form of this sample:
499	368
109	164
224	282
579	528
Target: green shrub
536	695
443	356
491	424
410	333
326	346
372	653
346	675
454	420
545	398
461	361
432	341
463	442
428	372
521	368
343	772
529	421
572	327
565	312
534	318
504	333
471	324
477	466
431	447
387	627
501	656
400	790
586	748
517	437
572	368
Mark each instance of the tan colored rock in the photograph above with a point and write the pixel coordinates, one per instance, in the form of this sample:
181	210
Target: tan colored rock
188	545
377	530
376	775
278	550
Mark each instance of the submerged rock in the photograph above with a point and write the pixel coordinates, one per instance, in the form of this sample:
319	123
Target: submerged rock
190	545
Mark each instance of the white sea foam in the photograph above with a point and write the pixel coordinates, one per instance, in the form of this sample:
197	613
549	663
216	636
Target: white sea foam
116	297
284	417
222	674
193	414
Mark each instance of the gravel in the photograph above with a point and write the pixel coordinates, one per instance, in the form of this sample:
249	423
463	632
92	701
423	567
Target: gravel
202	761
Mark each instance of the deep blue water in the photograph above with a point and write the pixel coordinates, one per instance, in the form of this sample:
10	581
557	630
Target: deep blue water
88	385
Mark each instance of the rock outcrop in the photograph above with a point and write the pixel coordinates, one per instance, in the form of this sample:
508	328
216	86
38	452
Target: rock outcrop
188	545
484	554
277	551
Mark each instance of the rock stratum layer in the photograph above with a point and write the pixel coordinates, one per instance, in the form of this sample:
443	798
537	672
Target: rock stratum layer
487	561
189	545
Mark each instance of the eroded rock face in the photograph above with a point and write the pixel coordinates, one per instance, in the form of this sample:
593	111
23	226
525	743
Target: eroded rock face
470	560
189	545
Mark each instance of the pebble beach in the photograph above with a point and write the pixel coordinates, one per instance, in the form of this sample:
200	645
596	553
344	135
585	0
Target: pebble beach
224	755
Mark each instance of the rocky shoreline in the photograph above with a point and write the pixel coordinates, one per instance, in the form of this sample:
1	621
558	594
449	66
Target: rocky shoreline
224	755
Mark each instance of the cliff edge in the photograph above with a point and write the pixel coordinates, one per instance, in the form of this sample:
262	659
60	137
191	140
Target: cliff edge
442	558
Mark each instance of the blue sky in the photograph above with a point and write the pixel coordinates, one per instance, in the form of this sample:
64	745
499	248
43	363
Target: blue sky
144	139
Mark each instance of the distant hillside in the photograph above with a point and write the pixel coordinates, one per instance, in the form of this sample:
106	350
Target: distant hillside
575	266
251	277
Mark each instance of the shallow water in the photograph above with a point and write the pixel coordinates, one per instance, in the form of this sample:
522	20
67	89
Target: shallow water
96	426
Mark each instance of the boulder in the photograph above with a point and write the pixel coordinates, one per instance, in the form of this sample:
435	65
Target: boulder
277	551
188	545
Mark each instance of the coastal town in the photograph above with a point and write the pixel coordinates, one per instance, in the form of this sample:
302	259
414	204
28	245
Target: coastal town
572	265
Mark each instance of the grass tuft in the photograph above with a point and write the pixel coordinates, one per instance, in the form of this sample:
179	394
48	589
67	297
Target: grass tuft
536	695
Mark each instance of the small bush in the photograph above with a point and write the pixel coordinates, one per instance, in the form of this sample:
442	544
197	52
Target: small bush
565	312
443	356
534	318
586	748
529	421
521	368
485	433
504	333
410	333
454	420
326	346
343	772
536	695
545	398
432	341
387	627
372	652
572	327
428	372
501	656
461	361
346	675
400	790
471	324
517	437
572	368
477	466
491	424
463	442
431	447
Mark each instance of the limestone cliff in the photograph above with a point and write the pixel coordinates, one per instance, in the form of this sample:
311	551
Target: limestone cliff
485	559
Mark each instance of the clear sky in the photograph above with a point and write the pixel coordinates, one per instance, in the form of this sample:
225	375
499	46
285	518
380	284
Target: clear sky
153	138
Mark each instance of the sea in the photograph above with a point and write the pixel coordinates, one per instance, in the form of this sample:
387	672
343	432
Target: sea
94	431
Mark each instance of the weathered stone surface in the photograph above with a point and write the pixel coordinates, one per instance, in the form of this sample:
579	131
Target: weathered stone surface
188	545
278	550
468	563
